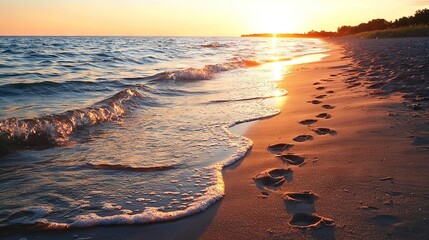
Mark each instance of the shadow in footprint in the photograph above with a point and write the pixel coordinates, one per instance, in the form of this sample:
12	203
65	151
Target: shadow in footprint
305	220
320	88
293	208
316	83
325	131
324	115
292	159
315	101
299	202
353	85
321	96
330	91
308	121
273	178
385	220
279	148
303	138
327	106
300	197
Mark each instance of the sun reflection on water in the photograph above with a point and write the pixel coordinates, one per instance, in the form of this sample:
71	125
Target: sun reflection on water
277	65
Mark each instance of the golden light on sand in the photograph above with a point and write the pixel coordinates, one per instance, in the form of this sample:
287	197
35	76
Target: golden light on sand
278	93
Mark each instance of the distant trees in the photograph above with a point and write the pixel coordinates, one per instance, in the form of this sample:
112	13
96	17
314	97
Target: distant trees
421	17
322	33
375	24
311	34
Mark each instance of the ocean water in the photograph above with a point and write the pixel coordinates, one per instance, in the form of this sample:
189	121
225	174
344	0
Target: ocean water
129	130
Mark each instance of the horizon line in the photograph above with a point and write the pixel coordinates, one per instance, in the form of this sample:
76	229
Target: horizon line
116	36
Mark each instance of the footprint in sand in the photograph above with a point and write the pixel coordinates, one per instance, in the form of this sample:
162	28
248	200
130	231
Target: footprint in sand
273	177
316	83
305	220
324	115
354	85
308	121
300	197
330	92
303	138
327	106
385	220
320	88
321	96
292	159
324	131
315	101
279	147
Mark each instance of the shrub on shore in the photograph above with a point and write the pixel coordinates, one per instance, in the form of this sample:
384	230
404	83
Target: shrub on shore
411	31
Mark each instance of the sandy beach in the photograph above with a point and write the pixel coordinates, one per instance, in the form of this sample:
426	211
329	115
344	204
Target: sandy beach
353	165
361	164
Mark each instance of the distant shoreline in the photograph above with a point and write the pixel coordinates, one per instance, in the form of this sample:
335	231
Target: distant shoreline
285	35
403	32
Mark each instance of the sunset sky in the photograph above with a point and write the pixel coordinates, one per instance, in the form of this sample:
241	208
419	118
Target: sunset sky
192	17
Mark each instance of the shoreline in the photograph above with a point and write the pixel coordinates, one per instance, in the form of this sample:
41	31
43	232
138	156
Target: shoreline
344	169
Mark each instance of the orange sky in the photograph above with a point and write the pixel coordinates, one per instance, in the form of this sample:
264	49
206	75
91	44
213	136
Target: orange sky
191	17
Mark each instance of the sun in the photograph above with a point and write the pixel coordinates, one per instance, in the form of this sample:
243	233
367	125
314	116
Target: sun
275	23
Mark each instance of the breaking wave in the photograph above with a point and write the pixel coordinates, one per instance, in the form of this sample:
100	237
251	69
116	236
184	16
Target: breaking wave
52	130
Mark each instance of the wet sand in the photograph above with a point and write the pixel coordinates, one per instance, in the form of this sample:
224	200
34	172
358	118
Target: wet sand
343	163
361	177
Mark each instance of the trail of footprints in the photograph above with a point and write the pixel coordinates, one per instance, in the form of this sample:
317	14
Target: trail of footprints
300	204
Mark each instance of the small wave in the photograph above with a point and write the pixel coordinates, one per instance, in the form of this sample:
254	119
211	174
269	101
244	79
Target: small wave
131	168
50	88
9	51
205	73
37	54
214	45
5	66
23	74
53	130
29	219
28	215
283	93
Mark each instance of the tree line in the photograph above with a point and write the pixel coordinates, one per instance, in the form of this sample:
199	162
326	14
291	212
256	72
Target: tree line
421	17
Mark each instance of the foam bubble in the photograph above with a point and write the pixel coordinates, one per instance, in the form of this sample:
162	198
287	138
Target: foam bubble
108	206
